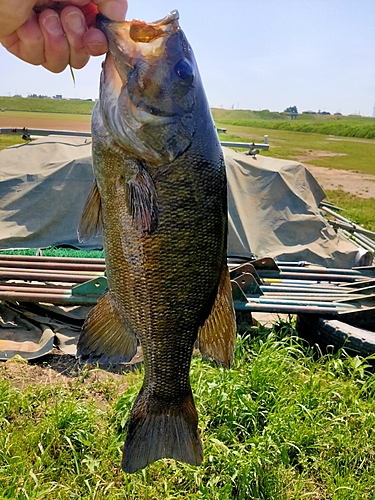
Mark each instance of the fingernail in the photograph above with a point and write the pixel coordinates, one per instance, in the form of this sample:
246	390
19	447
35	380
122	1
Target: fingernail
75	21
52	24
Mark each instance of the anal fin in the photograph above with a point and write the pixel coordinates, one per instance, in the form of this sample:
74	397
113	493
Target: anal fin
105	337
90	224
217	336
158	430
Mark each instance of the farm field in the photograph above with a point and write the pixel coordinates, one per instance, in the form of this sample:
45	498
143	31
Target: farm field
45	121
288	421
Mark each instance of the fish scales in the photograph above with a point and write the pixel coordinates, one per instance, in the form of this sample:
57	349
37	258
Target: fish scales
160	198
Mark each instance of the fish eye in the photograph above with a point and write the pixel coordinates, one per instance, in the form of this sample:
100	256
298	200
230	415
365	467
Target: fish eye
184	69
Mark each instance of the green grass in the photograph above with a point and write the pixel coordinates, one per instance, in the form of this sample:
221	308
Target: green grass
85	118
47	105
351	154
281	424
9	140
347	126
359	210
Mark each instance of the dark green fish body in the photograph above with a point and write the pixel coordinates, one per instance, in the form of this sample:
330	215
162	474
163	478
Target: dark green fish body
160	197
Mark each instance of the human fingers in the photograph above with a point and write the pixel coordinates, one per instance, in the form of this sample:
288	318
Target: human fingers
13	14
27	42
113	9
74	24
56	47
95	41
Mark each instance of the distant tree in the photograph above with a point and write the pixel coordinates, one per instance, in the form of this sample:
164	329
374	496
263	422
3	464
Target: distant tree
291	109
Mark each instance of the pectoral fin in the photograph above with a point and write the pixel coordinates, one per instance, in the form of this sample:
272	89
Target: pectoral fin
142	201
91	220
105	336
217	336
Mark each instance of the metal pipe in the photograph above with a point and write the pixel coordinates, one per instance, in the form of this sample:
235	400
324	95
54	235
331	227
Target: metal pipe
55	271
320	270
58	266
307	303
351	228
308	276
312	296
42	132
245	145
33	287
53	298
46	258
305	289
284	308
367	241
38	276
348	224
354	239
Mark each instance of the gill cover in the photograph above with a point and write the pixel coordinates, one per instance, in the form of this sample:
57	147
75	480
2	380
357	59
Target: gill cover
148	88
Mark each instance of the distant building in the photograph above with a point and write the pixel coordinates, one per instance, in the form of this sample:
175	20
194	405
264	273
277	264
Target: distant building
58	96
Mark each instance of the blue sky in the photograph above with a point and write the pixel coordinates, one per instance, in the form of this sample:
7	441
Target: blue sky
270	54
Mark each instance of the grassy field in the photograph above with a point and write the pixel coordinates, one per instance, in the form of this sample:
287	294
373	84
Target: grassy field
58	117
353	126
283	423
39	105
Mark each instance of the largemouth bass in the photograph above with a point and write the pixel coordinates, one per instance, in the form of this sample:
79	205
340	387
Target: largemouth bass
160	197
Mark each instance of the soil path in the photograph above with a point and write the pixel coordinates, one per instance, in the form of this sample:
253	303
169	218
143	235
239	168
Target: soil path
362	185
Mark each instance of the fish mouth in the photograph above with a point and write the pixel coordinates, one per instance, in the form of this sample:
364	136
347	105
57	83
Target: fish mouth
140	31
131	41
132	37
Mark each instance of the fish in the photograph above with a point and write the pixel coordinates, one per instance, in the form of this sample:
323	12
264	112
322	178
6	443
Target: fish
160	199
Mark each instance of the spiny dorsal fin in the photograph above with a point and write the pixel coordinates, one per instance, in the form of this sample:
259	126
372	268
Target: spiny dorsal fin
142	201
91	224
217	336
105	336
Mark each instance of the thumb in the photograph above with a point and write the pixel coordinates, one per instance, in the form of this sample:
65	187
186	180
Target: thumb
113	9
13	14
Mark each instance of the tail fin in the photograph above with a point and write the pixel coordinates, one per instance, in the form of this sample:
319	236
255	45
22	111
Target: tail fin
161	431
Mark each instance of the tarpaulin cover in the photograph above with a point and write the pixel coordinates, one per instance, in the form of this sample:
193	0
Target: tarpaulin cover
273	211
273	204
43	188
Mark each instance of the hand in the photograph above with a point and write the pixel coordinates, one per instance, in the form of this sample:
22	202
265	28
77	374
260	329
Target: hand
56	33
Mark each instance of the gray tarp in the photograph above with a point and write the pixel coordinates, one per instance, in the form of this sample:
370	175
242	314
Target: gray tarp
273	204
43	188
273	211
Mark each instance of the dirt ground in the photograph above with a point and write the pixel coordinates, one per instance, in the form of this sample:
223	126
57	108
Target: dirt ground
362	185
45	124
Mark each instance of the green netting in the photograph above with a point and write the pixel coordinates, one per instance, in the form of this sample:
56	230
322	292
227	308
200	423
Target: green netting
57	252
